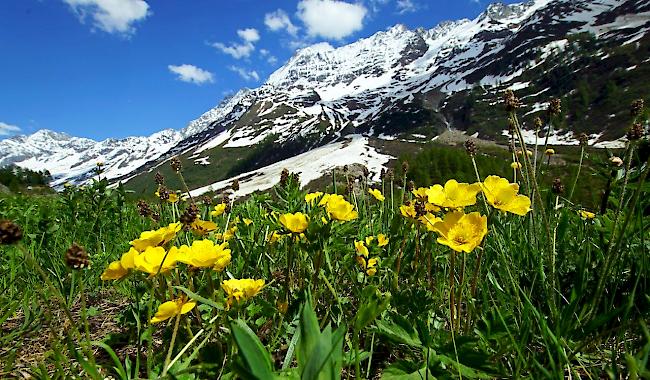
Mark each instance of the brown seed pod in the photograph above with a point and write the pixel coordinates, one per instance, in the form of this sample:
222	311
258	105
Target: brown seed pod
10	232
284	177
470	148
76	257
511	101
555	107
176	164
189	216
557	188
538	123
143	208
405	167
636	108
635	132
583	139
235	185
158	178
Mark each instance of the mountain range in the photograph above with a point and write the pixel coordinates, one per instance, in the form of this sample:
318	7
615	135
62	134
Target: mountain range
328	106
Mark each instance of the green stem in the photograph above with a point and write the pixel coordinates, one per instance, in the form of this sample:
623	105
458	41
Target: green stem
171	345
575	181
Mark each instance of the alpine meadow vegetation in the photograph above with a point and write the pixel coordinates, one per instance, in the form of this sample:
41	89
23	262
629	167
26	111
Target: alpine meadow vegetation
483	275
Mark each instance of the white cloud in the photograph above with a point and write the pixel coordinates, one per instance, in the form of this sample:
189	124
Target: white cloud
331	19
111	16
191	74
272	60
243	49
264	52
406	6
249	35
8	129
279	20
246	74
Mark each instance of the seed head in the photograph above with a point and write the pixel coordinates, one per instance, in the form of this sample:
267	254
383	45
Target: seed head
159	179
538	123
583	139
10	232
405	167
635	132
557	188
555	107
163	193
470	147
637	107
345	169
155	216
143	208
410	185
420	208
207	201
511	101
366	171
295	177
176	164
189	216
235	185
284	177
226	200
76	257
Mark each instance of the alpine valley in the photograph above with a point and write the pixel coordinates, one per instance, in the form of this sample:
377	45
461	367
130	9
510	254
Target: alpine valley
327	107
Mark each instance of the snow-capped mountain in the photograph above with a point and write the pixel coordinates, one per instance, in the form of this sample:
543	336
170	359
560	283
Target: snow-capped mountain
396	83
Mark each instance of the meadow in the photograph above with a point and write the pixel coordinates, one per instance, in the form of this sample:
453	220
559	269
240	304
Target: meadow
510	268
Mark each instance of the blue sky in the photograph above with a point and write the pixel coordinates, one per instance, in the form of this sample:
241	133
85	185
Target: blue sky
115	68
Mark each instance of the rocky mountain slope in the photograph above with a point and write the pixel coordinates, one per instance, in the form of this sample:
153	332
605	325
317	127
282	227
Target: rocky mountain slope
397	84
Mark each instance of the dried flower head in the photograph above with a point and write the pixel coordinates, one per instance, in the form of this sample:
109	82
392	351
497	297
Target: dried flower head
225	199
637	107
155	216
511	101
235	185
390	175
555	107
163	193
405	167
420	208
635	132
143	208
10	232
538	123
583	139
366	171
76	257
207	201
176	164
295	177
284	177
410	185
345	168
470	147
188	217
557	188
158	178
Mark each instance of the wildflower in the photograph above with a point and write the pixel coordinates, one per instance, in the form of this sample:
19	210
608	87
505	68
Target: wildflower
176	164
76	257
408	210
235	185
274	237
528	152
511	101
616	161
584	214
382	240
143	208
361	248
340	209
229	234
204	254
420	193
549	152
368	265
156	238
311	197
158	178
504	196
454	194
189	216
462	232
241	290
470	147
515	165
172	308
247	221
154	260
203	227
635	132
218	209
296	223
555	107
167	196
429	221
10	232
120	268
377	194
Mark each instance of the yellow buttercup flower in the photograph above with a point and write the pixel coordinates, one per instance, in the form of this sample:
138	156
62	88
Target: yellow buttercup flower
369	239
408	210
584	214
339	209
311	197
549	152
502	195
453	194
515	165
377	194
429	221
241	290
462	232
368	265
296	223
420	193
247	221
431	207
204	253
156	238
120	268
219	209
274	237
229	234
382	240
171	309
361	248
173	197
154	260
203	227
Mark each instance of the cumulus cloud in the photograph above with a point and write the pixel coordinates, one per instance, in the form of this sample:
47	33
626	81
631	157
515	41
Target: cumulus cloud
8	129
331	19
279	20
111	16
248	75
240	50
191	74
406	6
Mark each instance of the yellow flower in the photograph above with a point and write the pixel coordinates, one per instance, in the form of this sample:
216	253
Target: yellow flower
453	194
247	221
171	309
528	152
311	197
408	210
230	232
420	193
156	238
274	237
340	209
203	254
369	265
429	221
361	248
241	290
382	240
173	197
120	268
462	232
584	214
369	239
431	207
549	152
502	195
515	165
296	223
154	260
377	194
218	209
203	227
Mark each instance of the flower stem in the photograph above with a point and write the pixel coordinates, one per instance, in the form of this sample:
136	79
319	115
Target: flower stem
171	345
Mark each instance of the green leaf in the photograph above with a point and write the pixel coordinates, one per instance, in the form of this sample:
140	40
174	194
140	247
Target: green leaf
404	334
121	372
374	303
256	360
198	298
309	334
405	370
